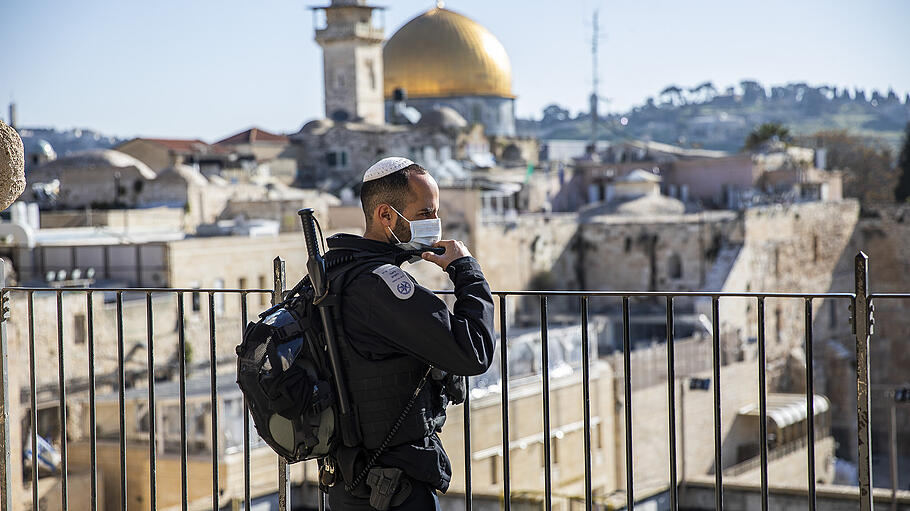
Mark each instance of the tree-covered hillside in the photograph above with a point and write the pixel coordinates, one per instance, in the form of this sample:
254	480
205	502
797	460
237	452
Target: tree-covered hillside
703	116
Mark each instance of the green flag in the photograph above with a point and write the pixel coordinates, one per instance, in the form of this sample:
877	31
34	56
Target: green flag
530	171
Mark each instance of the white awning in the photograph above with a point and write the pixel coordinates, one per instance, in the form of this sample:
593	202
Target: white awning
787	409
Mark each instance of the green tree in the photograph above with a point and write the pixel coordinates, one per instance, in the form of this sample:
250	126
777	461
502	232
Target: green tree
766	132
866	163
902	191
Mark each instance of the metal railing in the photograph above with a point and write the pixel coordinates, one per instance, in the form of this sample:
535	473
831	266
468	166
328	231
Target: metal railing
861	317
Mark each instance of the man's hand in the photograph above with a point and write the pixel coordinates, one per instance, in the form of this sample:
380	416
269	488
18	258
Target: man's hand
454	250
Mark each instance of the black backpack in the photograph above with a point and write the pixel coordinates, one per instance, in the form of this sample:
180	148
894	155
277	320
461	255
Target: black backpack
283	370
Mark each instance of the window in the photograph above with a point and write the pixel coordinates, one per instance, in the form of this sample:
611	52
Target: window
241	283
475	113
371	73
172	420
79	328
339	78
195	299
263	297
777	324
777	261
675	267
143	418
337	159
554	449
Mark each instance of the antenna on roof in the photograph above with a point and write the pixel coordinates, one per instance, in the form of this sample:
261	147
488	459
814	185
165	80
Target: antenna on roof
594	79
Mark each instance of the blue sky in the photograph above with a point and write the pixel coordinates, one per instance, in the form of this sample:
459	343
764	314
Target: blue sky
206	68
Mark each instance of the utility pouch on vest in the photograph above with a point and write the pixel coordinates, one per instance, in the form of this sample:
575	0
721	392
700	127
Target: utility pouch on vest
328	472
387	487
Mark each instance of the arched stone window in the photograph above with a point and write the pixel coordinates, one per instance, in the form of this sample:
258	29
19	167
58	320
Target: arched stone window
511	153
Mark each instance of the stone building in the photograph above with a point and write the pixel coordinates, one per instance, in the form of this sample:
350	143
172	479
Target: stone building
161	153
272	153
714	179
96	178
105	179
339	153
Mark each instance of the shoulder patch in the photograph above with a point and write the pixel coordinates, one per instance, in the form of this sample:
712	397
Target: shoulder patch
397	280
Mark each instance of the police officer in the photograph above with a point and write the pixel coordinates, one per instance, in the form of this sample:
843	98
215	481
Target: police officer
395	334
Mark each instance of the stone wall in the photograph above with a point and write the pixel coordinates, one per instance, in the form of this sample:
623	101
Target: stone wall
699	495
161	218
667	253
284	211
694	424
525	433
352	79
785	249
882	232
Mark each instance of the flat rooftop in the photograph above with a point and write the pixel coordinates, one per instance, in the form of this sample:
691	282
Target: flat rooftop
81	236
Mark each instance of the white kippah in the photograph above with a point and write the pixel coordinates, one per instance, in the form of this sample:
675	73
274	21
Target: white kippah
385	166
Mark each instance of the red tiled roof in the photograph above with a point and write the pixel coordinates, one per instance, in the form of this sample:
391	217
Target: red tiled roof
252	135
179	144
182	145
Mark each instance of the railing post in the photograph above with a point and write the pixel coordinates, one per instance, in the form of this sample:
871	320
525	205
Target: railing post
284	480
6	477
862	323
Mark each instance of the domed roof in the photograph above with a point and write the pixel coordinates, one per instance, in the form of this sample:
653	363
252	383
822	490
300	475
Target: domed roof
39	146
97	158
317	125
444	54
636	206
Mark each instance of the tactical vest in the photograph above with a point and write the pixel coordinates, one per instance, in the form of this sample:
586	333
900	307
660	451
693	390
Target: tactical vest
379	389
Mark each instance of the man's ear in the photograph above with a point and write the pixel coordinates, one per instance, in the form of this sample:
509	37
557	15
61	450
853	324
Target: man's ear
385	215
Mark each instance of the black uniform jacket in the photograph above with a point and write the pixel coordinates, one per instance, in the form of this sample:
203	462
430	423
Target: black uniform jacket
381	324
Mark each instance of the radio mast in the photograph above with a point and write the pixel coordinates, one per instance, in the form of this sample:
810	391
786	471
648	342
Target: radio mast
594	80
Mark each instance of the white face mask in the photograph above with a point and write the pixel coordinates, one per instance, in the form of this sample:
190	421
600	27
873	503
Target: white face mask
424	233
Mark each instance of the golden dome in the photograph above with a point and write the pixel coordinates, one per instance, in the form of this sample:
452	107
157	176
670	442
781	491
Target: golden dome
443	54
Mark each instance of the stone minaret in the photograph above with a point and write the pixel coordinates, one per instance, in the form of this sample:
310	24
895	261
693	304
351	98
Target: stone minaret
13	121
352	62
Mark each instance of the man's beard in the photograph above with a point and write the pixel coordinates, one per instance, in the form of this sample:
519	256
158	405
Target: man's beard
402	231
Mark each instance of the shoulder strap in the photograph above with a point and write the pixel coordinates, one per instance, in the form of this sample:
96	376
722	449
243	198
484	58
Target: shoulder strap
344	274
